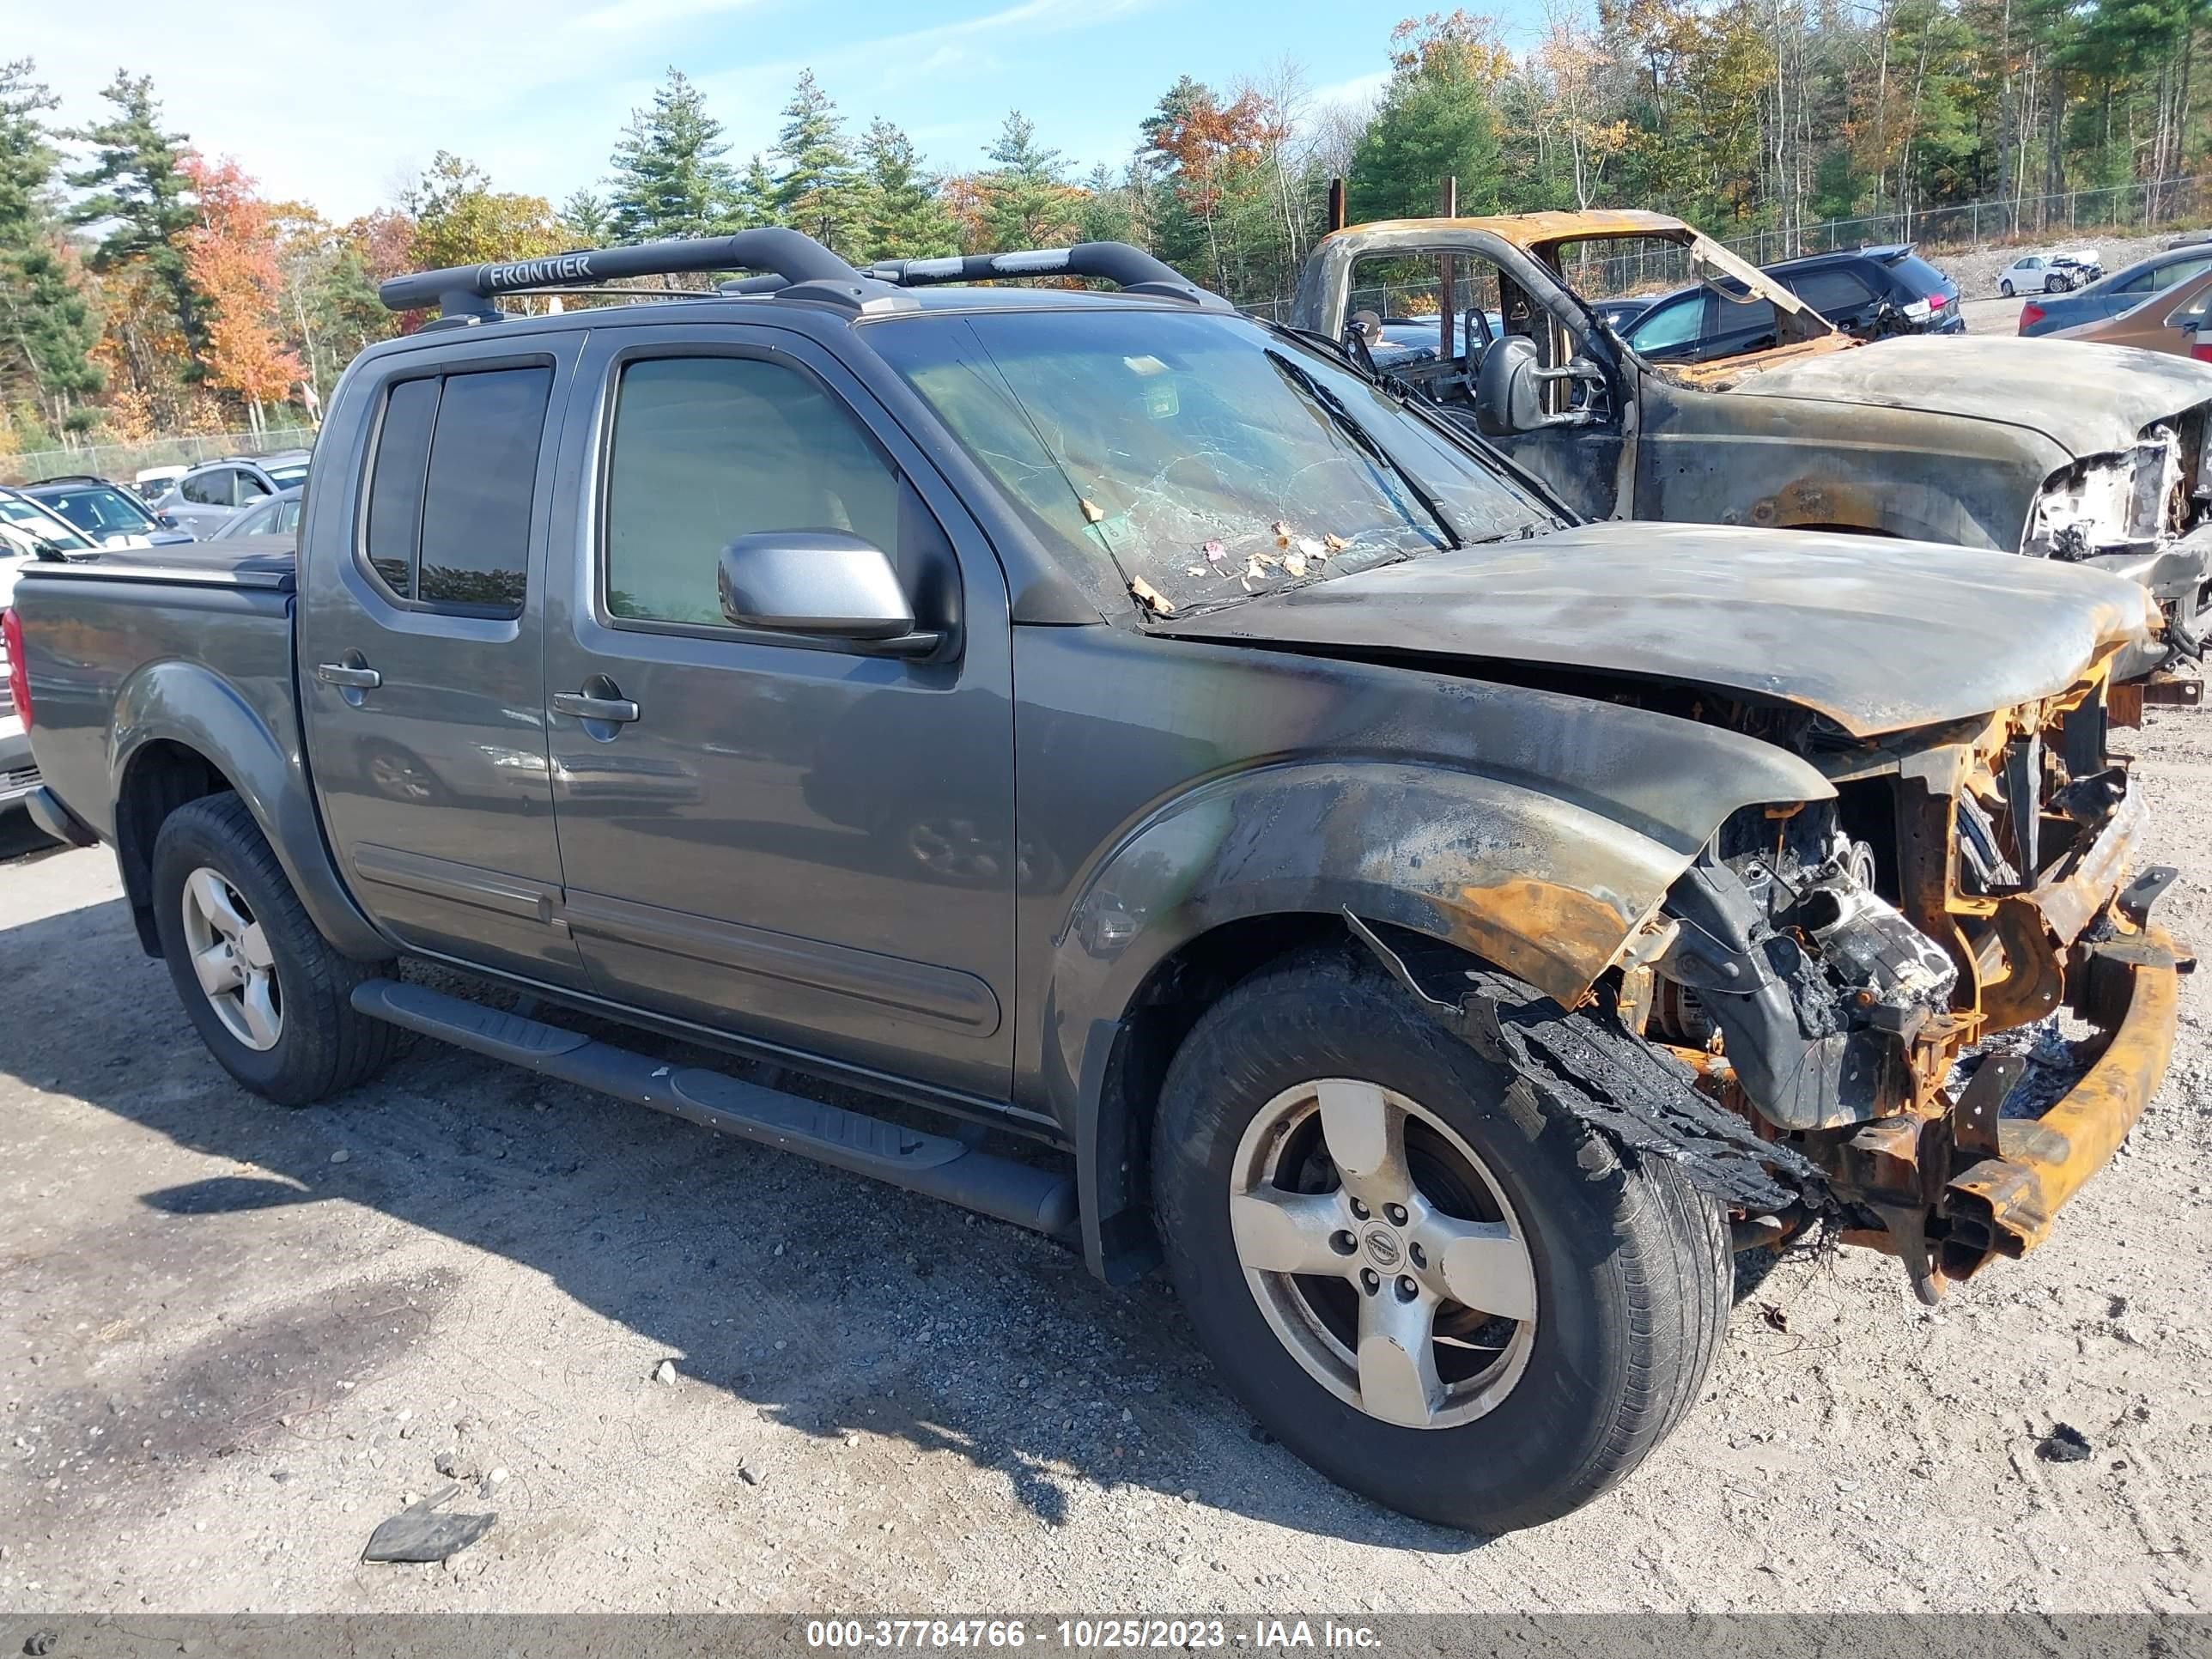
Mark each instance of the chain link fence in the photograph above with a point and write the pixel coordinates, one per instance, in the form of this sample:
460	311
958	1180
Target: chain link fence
122	461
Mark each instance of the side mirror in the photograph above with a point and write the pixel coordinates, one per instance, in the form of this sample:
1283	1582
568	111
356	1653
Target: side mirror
821	584
1509	389
167	520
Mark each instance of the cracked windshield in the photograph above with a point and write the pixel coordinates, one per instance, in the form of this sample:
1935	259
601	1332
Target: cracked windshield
1209	459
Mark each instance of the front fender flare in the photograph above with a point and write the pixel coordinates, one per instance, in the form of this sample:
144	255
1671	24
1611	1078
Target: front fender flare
187	703
1546	888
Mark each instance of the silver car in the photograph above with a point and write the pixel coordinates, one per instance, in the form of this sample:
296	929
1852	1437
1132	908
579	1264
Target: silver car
209	495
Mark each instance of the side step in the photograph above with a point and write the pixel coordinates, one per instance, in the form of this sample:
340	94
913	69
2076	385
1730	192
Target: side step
938	1166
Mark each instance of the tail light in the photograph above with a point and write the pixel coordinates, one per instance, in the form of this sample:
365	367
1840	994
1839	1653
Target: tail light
1937	302
2201	351
19	673
2030	314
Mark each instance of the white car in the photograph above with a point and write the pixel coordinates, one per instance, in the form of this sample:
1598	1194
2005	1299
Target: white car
2056	272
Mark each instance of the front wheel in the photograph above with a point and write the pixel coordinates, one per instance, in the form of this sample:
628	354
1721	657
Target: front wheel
1433	1289
267	993
2054	284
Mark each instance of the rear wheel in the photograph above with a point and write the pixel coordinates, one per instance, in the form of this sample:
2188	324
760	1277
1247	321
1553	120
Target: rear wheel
2005	287
267	993
1431	1289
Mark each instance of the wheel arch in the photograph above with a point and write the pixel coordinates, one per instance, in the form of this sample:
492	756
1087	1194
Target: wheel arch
1232	875
183	732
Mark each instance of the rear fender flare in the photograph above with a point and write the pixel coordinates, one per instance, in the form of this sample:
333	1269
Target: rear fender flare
192	706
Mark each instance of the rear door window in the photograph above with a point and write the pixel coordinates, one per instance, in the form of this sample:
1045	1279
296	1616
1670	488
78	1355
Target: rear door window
1828	292
2180	270
207	488
452	487
482	485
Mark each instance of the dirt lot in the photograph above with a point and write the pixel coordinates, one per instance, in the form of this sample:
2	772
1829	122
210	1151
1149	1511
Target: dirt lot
232	1338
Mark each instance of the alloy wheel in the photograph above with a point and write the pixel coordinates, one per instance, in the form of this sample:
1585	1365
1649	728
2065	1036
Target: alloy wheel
232	960
1383	1252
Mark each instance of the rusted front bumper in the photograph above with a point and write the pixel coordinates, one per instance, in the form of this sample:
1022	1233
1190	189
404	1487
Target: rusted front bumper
2005	1203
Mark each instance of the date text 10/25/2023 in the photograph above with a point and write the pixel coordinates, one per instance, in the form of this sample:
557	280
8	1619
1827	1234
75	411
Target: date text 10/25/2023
1088	1635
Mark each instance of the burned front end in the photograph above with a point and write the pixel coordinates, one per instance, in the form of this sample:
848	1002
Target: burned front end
2144	512
1841	973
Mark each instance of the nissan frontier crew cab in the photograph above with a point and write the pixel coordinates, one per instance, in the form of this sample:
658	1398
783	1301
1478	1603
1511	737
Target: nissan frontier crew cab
1109	720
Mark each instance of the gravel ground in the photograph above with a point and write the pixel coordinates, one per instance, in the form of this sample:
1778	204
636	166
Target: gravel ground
233	1338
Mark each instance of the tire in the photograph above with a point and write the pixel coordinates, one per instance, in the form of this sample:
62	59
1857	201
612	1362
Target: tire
2054	285
2005	287
316	1044
1628	1266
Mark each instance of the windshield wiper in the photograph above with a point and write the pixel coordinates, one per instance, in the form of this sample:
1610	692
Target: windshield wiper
1334	407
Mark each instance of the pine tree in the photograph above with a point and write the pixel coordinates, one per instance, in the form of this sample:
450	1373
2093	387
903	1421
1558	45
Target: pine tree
1435	123
905	219
138	192
1110	210
753	203
669	176
818	190
46	326
584	219
1026	205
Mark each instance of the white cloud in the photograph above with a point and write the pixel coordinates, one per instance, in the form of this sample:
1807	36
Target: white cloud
1358	93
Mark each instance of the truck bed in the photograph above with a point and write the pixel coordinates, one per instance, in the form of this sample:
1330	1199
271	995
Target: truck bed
112	637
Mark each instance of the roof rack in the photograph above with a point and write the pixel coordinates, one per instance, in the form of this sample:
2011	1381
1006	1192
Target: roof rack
796	266
1132	268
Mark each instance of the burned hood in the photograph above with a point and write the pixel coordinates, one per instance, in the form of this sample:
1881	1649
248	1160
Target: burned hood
2090	399
1877	635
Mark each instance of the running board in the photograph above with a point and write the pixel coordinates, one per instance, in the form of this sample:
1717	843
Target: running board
938	1166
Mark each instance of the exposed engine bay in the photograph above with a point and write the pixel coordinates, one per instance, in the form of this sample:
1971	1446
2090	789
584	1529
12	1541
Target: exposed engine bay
2144	514
1827	964
2126	502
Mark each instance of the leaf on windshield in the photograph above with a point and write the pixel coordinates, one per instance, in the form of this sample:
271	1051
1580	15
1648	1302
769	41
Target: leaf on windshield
1282	534
1214	551
1092	510
1295	562
1335	543
1149	596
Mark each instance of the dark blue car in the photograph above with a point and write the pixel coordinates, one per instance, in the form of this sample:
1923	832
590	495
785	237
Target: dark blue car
2123	291
1870	290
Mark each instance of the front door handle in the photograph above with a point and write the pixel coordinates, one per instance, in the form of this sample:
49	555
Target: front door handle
339	673
619	710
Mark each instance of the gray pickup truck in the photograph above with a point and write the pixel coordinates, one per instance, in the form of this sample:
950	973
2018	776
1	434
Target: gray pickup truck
1158	786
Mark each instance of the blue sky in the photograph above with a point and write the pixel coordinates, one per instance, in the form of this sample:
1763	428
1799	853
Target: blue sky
340	104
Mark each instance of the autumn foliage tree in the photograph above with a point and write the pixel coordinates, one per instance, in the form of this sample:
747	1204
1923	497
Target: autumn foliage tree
230	253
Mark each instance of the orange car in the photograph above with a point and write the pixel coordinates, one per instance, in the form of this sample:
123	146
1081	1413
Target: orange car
2171	320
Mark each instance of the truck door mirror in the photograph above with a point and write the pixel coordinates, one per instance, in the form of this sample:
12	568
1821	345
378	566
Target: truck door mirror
1508	396
823	583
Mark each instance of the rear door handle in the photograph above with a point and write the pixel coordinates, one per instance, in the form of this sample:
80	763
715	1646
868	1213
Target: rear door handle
339	673
619	710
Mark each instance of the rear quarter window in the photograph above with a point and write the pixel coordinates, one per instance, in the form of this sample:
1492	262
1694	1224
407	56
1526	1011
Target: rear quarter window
1916	274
